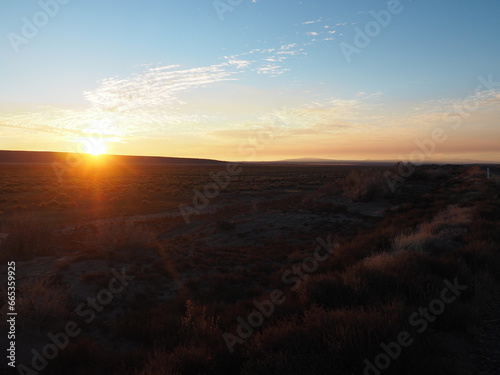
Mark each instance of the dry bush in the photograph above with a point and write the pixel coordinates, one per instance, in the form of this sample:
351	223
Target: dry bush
414	241
198	325
123	236
324	341
488	210
440	234
332	188
365	185
183	360
41	301
475	172
28	236
412	276
158	363
438	173
481	254
131	242
328	291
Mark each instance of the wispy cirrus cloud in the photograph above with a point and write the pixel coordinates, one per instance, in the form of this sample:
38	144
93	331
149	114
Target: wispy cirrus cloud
148	101
269	61
311	22
365	114
121	107
157	87
326	117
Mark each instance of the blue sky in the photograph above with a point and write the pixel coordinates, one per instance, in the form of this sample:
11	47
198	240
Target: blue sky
174	79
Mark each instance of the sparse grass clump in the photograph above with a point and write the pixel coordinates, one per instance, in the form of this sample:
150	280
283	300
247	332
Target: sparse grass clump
123	236
129	241
440	234
328	291
41	301
365	185
28	236
183	360
323	341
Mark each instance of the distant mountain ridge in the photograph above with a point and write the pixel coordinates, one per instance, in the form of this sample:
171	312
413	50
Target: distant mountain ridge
48	157
319	161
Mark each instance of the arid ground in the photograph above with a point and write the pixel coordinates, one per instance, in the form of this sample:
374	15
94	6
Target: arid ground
252	269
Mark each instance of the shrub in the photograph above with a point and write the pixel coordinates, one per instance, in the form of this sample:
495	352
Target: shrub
129	241
41	301
323	341
183	360
27	237
198	325
365	185
440	234
413	277
330	189
328	291
438	173
123	236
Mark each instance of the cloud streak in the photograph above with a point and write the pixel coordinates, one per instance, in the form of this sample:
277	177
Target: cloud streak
150	101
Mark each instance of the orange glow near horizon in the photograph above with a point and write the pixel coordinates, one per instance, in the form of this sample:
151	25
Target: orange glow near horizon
94	146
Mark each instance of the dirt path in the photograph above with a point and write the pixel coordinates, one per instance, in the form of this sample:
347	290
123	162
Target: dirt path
212	208
67	229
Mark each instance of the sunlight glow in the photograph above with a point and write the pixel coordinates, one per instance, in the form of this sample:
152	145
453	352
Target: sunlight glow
94	146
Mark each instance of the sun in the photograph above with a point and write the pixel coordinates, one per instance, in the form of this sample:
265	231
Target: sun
94	146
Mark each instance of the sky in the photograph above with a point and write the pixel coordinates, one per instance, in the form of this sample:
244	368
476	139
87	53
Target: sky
252	80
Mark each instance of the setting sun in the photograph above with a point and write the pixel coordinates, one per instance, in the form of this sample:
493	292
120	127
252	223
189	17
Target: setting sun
94	146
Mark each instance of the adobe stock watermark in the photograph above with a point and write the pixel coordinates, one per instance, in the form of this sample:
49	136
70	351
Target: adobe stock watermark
264	309
371	30
262	137
30	27
220	180
223	6
471	104
87	311
420	320
202	198
427	147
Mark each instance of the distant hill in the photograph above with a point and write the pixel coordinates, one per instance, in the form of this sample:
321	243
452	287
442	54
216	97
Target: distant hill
47	157
317	161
